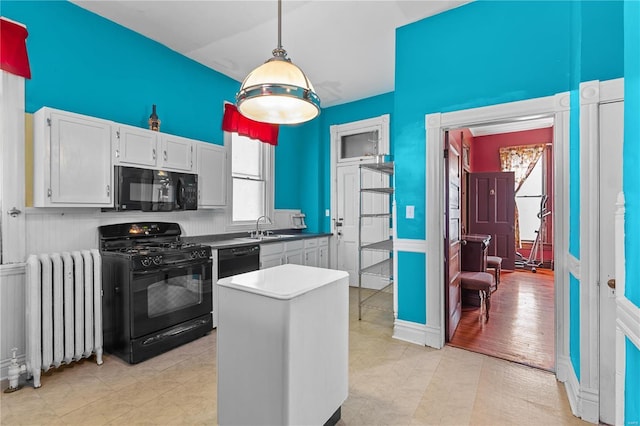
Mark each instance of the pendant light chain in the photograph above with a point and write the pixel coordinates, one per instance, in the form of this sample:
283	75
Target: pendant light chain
279	52
279	24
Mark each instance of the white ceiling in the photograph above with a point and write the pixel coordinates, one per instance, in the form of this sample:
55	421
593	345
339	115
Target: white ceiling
346	48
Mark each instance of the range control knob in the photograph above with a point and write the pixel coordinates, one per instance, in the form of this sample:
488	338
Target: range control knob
146	261
193	254
203	253
157	260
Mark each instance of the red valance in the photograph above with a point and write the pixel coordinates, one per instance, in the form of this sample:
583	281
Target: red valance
233	121
13	48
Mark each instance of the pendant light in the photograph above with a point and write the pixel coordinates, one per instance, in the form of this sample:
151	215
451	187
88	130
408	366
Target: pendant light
278	91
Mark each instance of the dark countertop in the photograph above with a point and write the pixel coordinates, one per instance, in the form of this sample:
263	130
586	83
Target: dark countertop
218	241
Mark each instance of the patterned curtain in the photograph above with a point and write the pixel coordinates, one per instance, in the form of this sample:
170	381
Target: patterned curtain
521	160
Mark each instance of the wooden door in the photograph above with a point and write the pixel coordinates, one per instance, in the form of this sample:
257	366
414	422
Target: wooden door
453	296
492	212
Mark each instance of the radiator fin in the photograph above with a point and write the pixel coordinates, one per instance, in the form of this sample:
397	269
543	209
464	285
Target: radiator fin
64	309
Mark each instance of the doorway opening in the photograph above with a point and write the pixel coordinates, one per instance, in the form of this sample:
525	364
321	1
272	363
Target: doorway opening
555	107
506	204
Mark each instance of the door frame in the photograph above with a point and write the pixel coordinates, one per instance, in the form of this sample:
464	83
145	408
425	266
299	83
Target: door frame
558	107
380	123
592	94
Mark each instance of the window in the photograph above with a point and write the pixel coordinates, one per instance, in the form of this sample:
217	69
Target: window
251	179
528	200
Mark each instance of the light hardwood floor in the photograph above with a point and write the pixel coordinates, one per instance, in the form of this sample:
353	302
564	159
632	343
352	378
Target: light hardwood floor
390	383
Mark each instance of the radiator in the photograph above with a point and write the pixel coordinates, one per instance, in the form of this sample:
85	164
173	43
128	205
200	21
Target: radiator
64	310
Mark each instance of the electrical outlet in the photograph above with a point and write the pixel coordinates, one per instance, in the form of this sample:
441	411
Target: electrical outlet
327	213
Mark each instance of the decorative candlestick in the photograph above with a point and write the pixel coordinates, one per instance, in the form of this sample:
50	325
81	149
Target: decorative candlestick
154	121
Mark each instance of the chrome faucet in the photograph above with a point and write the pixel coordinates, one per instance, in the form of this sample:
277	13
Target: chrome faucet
266	220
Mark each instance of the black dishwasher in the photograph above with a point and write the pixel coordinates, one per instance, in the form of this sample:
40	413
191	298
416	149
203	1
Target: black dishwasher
238	260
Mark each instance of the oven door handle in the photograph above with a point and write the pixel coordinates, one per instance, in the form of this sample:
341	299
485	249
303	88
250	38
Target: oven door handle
172	267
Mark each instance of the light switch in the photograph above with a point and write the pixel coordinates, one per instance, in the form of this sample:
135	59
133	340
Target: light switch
327	213
410	214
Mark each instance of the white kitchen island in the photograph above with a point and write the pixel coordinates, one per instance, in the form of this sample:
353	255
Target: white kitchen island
283	336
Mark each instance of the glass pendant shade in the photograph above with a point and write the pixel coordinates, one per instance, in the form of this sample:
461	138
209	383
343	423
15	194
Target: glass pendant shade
278	92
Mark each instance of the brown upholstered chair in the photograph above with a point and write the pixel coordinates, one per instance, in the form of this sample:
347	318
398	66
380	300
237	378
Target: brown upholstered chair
495	263
482	283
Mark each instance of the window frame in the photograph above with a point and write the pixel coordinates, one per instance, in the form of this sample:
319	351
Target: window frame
268	170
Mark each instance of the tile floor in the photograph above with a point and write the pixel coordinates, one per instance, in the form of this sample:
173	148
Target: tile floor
390	383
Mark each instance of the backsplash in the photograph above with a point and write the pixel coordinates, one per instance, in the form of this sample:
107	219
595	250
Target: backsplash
72	229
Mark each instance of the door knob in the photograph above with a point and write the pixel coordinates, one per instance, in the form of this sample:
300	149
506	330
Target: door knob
612	283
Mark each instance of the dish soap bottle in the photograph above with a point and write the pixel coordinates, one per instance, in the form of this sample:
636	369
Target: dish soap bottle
154	121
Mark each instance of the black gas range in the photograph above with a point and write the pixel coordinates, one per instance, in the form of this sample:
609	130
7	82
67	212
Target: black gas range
157	289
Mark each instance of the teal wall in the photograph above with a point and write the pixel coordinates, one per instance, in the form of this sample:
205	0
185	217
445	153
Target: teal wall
437	70
574	324
631	177
412	274
83	63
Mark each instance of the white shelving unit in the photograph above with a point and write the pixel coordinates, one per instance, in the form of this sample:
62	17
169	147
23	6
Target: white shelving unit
382	269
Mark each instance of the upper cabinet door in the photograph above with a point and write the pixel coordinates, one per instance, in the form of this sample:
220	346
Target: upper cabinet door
135	146
72	160
212	175
177	153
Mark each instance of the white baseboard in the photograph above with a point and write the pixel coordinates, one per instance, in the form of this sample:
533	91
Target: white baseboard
434	337
584	402
589	405
410	332
571	384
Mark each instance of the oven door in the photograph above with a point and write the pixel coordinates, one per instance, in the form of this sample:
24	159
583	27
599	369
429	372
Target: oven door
165	297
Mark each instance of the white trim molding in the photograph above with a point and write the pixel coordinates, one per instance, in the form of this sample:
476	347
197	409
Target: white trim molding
12	154
556	107
413	246
573	265
589	248
627	313
592	95
411	332
565	373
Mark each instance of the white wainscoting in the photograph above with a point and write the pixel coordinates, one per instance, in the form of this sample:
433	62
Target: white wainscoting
56	230
12	314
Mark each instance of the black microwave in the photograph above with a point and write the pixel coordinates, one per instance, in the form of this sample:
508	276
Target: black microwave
155	190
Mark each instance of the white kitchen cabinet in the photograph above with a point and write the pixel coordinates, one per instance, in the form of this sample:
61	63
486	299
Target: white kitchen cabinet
176	153
71	160
134	146
271	254
311	255
308	252
316	252
138	147
323	252
294	252
212	175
